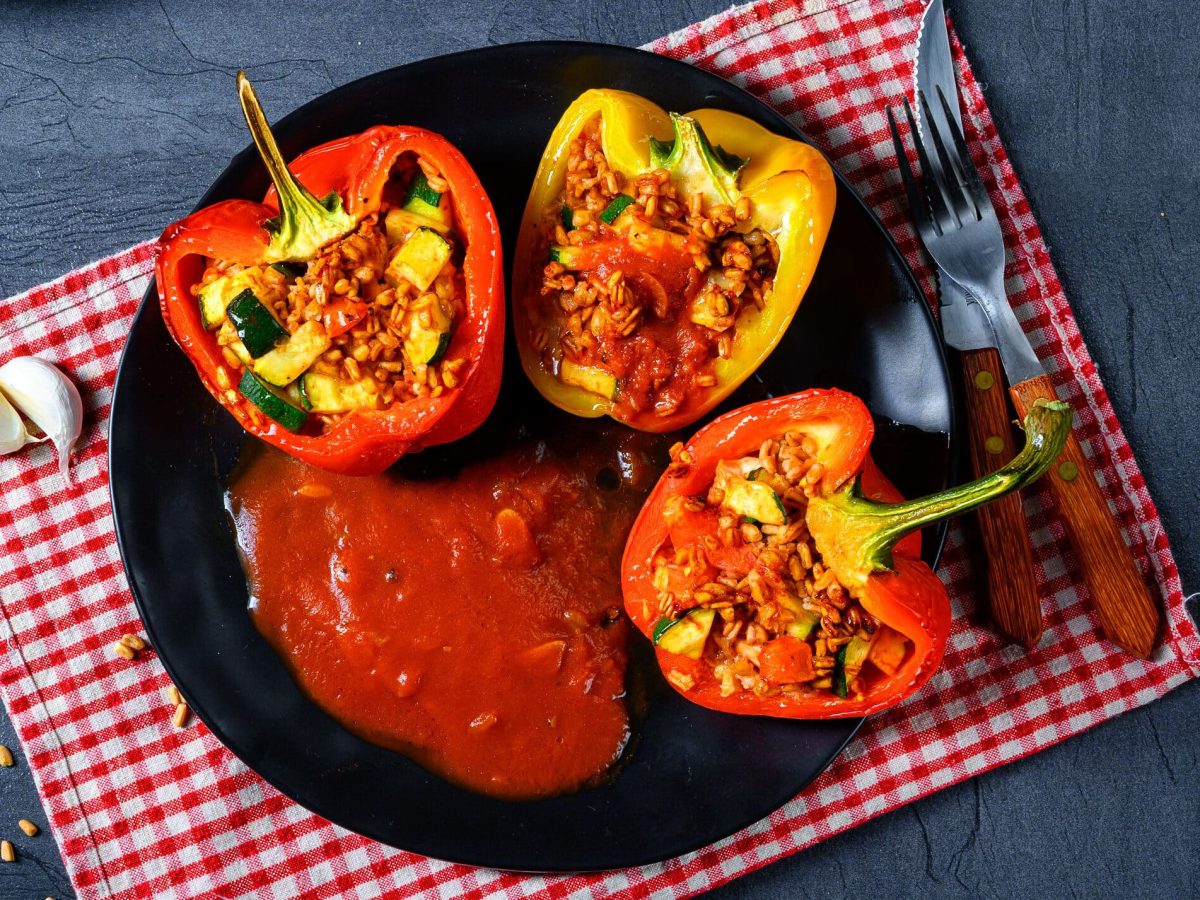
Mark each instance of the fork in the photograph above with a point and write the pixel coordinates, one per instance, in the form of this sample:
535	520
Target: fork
1012	588
958	225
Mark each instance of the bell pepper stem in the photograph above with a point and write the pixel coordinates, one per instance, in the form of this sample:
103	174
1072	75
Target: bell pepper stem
855	535
305	224
696	165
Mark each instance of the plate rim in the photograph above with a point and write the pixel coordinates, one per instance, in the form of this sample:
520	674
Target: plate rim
150	304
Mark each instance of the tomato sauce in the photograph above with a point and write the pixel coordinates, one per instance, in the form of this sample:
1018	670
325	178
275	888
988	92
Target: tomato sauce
469	619
657	365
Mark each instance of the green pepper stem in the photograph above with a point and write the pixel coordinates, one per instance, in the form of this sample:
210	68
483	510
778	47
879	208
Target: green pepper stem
696	165
305	224
855	535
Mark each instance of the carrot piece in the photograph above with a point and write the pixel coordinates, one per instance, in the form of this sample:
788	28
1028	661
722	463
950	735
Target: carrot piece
887	650
786	660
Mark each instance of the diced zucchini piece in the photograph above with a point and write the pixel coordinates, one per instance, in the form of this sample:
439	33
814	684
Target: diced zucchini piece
214	297
755	500
271	403
805	620
305	403
802	628
685	635
422	199
440	351
615	207
219	293
256	325
568	218
841	685
566	255
735	470
591	378
292	270
330	394
400	223
442	347
419	259
856	653
660	628
287	362
427	343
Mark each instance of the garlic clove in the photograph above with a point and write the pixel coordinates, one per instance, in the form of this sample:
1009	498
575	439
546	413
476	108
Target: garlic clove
49	399
13	435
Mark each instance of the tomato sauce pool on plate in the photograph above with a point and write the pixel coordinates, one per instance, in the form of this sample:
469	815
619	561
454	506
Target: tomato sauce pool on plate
469	619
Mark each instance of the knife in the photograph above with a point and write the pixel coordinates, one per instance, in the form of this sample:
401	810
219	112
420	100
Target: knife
1128	614
1011	580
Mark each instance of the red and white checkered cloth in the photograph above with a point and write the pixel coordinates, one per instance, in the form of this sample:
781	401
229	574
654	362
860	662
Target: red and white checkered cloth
141	808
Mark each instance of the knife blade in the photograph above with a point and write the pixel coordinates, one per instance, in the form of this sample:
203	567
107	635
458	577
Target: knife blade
934	65
1012	581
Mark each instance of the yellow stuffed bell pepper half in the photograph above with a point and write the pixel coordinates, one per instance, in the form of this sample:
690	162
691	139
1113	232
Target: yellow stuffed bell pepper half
661	257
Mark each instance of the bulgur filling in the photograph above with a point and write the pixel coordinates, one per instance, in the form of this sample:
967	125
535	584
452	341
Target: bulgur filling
741	584
645	286
364	325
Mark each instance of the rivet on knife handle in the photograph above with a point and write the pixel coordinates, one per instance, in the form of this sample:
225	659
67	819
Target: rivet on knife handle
1012	583
1128	614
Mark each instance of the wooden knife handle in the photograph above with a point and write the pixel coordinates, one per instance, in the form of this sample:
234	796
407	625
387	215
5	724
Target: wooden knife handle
1012	583
1128	614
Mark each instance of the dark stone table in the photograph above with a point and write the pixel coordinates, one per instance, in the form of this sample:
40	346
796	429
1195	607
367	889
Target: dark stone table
115	117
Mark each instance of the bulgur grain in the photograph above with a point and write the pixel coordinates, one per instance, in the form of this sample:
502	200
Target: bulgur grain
584	318
349	270
781	585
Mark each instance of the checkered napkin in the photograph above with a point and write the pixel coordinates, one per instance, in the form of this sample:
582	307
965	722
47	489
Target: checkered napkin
141	808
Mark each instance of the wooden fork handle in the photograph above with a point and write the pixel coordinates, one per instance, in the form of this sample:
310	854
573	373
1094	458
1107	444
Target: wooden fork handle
1012	584
1128	614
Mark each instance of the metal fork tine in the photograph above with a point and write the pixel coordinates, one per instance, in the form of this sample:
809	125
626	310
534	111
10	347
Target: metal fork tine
973	181
955	159
916	202
956	192
943	218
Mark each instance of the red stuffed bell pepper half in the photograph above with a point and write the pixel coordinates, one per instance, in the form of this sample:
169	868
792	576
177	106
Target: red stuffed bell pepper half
357	313
778	572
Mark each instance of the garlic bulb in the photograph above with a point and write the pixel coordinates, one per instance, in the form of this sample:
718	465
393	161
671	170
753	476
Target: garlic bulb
47	397
13	435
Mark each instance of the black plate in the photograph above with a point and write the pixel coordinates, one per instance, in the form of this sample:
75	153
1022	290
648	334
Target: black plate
695	776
